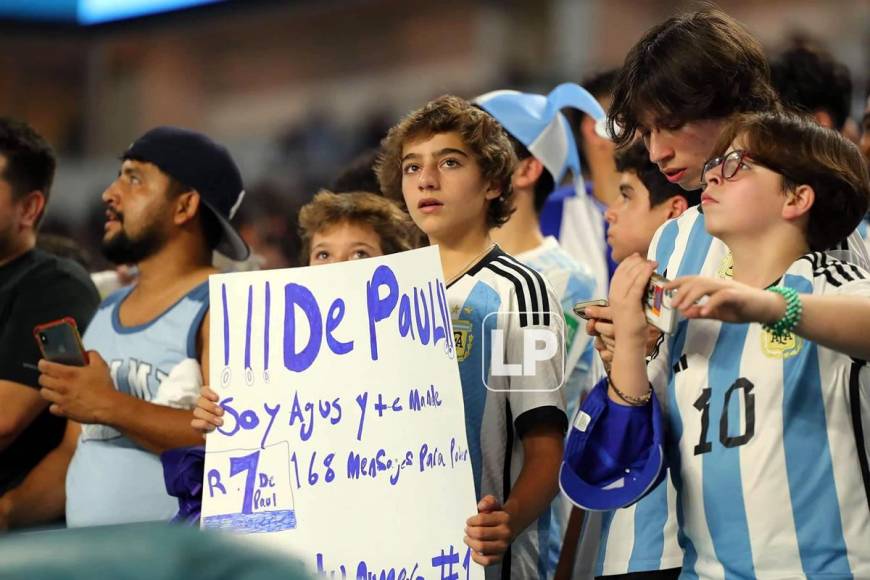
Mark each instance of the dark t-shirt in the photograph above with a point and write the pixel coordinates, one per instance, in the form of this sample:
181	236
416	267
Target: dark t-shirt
36	288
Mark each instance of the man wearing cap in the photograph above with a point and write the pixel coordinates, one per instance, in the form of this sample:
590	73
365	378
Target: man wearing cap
166	212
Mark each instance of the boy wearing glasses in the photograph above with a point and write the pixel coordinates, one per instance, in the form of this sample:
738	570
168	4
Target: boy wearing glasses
682	83
766	383
671	92
679	86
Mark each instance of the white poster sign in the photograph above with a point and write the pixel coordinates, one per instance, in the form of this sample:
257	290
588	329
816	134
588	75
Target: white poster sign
344	432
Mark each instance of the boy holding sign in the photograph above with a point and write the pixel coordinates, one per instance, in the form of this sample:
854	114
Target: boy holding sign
452	165
336	227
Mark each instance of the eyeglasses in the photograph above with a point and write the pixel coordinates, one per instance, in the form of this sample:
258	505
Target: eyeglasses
730	165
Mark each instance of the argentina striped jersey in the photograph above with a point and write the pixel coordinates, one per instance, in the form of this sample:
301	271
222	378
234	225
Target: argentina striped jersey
501	294
767	439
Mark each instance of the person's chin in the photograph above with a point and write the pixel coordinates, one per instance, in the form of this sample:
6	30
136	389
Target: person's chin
713	225
432	223
693	185
690	181
617	253
427	226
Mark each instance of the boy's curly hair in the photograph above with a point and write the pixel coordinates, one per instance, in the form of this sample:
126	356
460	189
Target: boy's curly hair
478	130
392	225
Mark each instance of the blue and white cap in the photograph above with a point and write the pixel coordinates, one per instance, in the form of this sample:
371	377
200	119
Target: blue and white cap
585	459
535	121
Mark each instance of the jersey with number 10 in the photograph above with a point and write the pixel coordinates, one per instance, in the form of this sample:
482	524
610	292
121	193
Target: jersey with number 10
768	439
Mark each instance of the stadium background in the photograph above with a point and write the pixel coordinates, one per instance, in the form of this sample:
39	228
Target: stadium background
298	88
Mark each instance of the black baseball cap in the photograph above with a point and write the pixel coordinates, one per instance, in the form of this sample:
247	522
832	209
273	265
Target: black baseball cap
200	163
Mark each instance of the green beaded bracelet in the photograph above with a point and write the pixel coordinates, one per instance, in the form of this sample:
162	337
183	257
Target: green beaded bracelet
793	310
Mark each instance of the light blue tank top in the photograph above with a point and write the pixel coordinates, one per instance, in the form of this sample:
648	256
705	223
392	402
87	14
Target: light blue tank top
111	479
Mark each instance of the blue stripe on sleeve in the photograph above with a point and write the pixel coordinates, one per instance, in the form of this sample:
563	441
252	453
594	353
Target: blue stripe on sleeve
551	213
811	482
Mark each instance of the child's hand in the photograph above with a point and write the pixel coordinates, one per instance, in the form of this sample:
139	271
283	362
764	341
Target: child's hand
727	300
599	325
207	415
627	290
489	533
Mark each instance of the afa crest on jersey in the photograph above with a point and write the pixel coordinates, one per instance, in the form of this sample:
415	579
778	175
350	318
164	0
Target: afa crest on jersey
462	338
780	348
726	267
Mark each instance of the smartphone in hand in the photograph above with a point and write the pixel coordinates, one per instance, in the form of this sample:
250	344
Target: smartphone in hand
580	307
656	305
59	341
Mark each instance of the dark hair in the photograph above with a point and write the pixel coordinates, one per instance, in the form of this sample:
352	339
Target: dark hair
701	65
805	153
359	174
808	79
545	184
600	83
635	158
30	162
484	135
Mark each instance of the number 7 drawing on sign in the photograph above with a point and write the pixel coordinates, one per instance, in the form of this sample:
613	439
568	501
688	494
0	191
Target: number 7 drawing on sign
244	495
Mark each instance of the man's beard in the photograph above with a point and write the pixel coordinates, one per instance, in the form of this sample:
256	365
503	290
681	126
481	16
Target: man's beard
121	249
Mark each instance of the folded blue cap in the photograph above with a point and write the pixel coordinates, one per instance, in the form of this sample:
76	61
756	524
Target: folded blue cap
586	459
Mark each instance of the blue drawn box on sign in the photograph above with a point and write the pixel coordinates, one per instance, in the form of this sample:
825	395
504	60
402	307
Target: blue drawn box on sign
253	523
249	489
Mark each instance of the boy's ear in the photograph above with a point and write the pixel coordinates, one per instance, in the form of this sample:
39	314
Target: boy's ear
493	191
527	173
587	129
677	204
798	202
